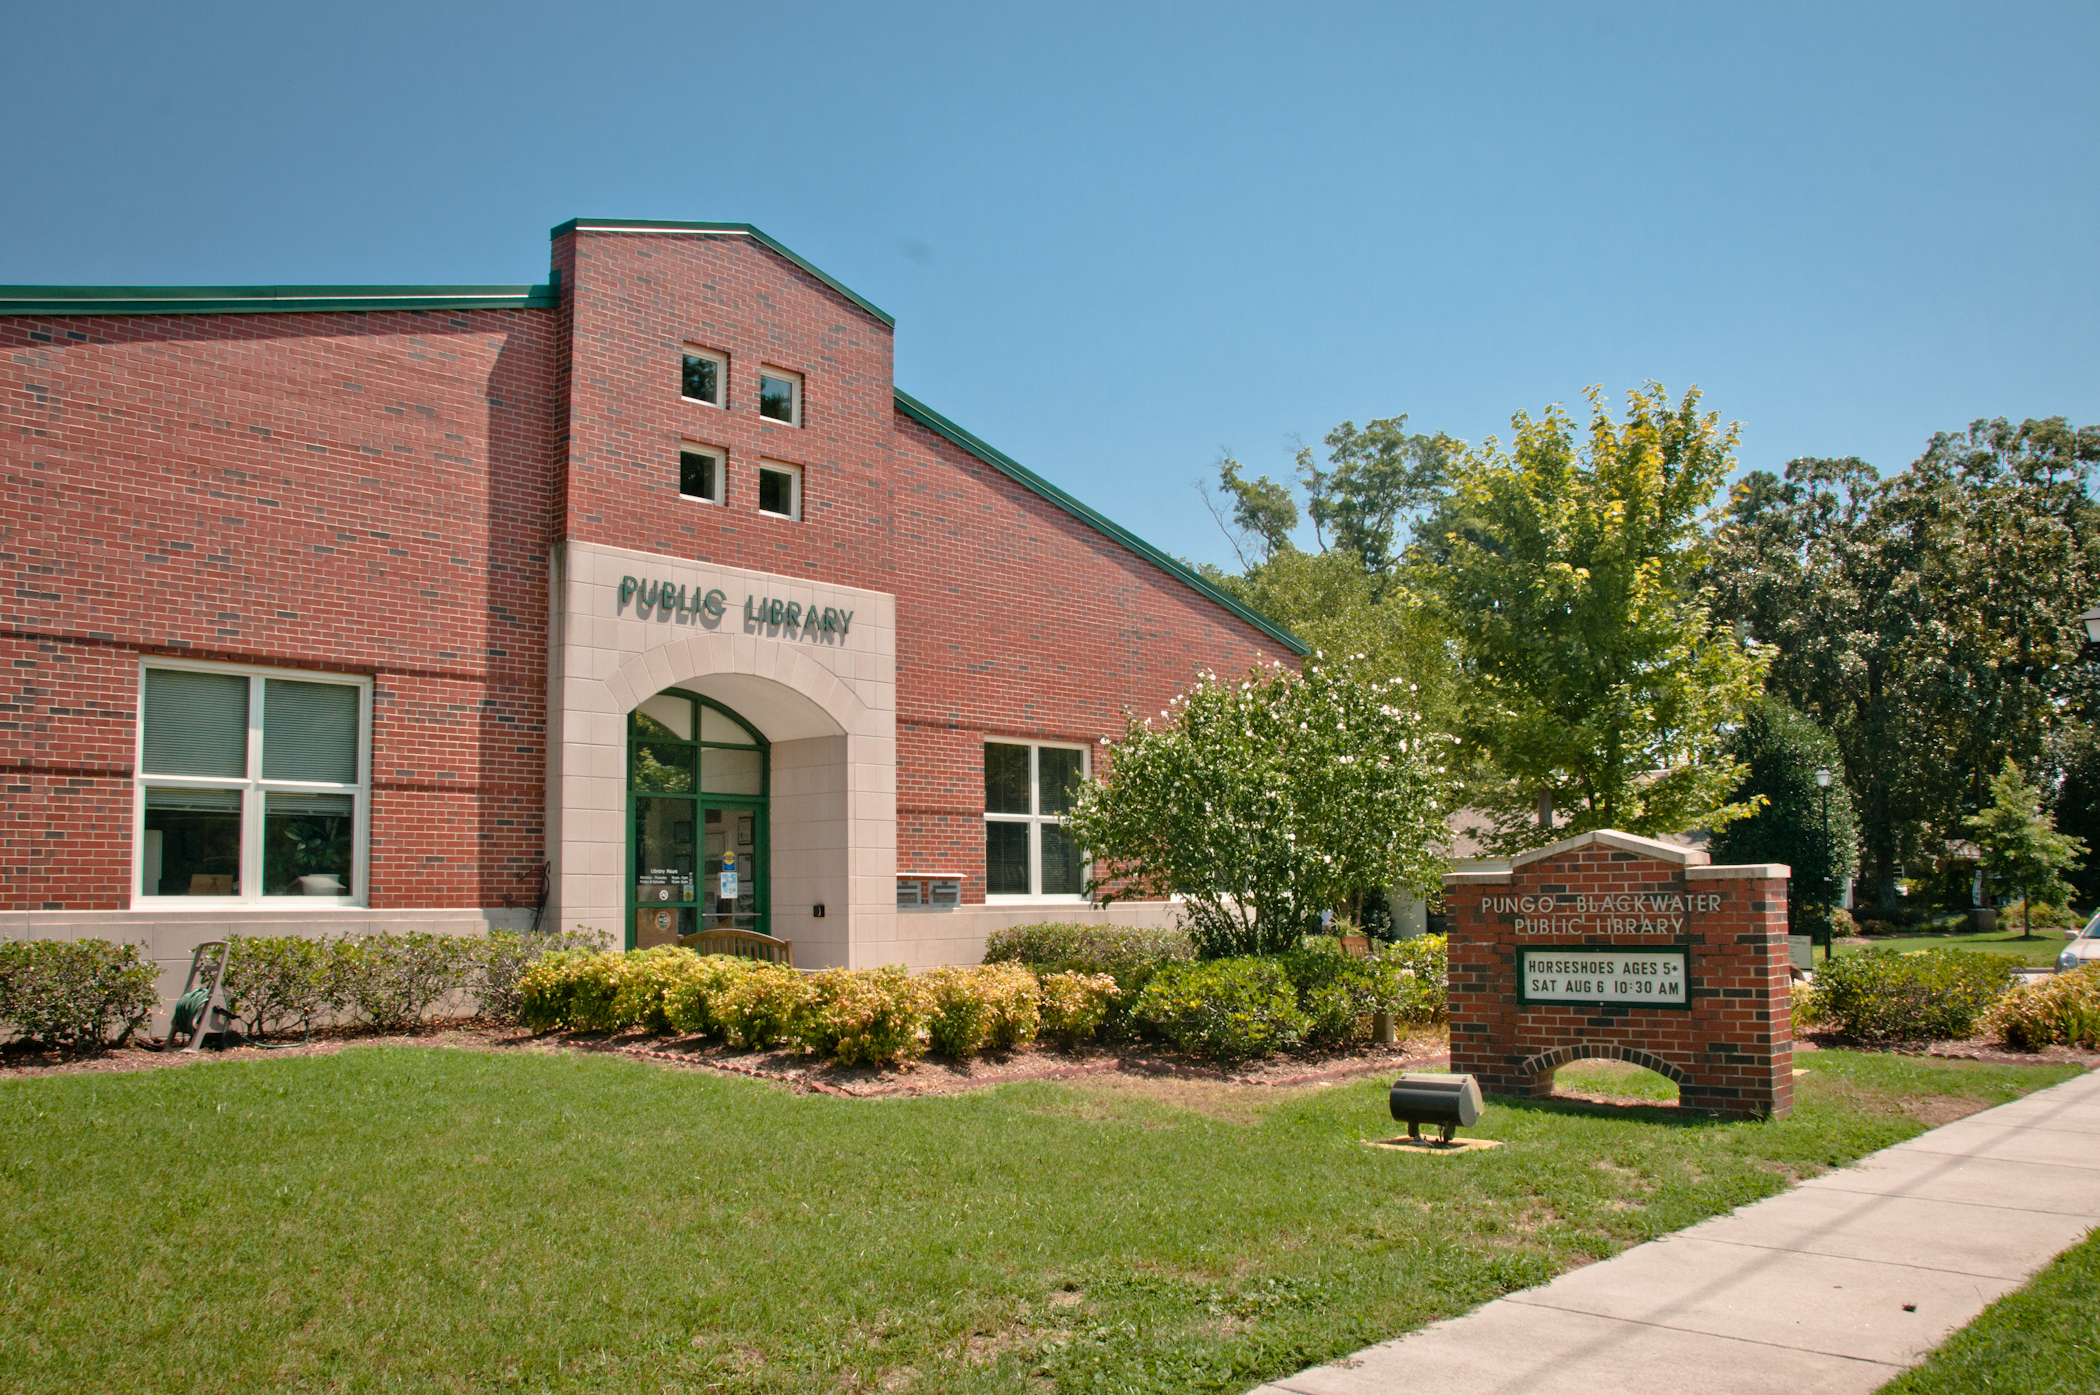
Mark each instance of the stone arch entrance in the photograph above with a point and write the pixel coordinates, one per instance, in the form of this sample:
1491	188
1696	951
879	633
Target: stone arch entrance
1539	1069
822	704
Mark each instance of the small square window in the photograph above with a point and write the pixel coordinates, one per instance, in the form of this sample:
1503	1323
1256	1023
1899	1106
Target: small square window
703	376
780	489
780	395
701	474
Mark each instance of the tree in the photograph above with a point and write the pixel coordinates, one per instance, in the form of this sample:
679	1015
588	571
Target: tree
1594	682
2022	850
1812	830
1374	478
1266	800
1928	620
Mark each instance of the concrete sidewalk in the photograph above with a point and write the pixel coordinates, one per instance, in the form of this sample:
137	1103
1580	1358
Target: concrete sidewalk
1802	1293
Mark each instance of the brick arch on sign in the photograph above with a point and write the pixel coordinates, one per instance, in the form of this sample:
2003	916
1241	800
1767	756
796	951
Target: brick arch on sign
1585	1050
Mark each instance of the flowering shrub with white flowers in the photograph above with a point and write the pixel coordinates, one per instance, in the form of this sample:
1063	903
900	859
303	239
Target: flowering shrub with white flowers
1267	799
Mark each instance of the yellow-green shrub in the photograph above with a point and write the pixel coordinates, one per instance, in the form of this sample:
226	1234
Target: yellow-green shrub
688	1003
571	988
1074	1005
862	1016
1013	1005
762	1006
958	1017
1808	1007
2063	1010
642	981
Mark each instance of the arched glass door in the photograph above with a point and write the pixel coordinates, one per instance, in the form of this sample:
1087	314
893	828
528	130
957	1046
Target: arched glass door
696	843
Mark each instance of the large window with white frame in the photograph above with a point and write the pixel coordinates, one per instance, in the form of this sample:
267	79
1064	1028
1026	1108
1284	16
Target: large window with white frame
1028	789
254	785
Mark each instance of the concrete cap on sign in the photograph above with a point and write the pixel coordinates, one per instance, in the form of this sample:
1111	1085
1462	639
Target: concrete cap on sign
1774	871
1624	842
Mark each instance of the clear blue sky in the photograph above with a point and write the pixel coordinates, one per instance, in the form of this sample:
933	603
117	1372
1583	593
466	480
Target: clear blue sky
1117	238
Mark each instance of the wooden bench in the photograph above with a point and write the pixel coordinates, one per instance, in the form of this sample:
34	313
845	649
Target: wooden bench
742	944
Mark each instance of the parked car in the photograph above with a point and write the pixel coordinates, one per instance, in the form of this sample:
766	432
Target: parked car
2083	949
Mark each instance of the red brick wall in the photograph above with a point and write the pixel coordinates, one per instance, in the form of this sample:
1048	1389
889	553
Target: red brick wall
378	493
1733	1045
358	492
1014	618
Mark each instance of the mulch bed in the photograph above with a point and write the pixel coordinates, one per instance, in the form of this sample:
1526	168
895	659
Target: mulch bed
787	1068
1986	1049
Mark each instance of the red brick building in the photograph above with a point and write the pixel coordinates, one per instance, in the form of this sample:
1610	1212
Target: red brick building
348	608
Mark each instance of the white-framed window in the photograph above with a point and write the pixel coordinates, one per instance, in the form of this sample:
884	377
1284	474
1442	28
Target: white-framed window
703	473
780	395
779	489
704	376
253	786
1028	789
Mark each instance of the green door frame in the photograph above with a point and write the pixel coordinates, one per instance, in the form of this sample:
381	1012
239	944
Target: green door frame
759	804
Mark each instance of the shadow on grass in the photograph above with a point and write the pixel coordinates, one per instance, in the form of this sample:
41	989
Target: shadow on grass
1669	1115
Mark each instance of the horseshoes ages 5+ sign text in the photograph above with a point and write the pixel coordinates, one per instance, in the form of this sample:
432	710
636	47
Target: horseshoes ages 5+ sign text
1634	977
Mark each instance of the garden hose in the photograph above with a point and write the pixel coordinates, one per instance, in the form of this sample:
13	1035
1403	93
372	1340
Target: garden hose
189	1012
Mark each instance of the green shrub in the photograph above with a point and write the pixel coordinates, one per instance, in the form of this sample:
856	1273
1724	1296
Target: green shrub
858	1016
1013	1000
278	982
1880	995
1336	991
1128	954
688	1002
1412	977
70	994
1226	1009
2062	1010
1074	1005
392	980
761	1007
641	981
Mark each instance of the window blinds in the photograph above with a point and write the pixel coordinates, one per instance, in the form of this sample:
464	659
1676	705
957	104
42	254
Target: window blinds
309	731
196	723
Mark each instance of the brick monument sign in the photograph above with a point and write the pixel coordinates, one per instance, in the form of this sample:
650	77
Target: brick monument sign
1625	948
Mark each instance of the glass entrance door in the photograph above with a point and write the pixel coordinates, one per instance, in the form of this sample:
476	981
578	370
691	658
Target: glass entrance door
696	851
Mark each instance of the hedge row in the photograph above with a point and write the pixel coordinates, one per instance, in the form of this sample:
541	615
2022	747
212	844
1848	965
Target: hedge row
1881	996
72	994
857	1016
278	984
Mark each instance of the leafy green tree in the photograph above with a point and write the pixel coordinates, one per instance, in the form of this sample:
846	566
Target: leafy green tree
1812	830
1382	627
1928	620
2022	850
1373	479
1267	799
1595	683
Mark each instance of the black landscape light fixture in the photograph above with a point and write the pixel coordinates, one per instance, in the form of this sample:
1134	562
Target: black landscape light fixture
1823	784
1449	1101
2091	620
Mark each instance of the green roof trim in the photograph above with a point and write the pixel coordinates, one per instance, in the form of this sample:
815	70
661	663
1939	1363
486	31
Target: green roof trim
266	300
652	225
1028	479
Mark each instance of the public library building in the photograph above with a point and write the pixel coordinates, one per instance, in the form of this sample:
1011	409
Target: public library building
643	595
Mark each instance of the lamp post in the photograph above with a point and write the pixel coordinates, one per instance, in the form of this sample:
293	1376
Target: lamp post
2091	620
1823	784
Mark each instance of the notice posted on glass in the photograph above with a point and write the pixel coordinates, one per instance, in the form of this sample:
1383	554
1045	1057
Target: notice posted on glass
1652	976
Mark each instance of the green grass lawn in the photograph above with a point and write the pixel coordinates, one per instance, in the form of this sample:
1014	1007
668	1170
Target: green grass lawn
403	1218
2042	1340
2042	949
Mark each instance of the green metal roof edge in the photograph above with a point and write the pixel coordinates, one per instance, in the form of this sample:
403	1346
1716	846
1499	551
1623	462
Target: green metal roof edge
726	230
999	460
252	300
